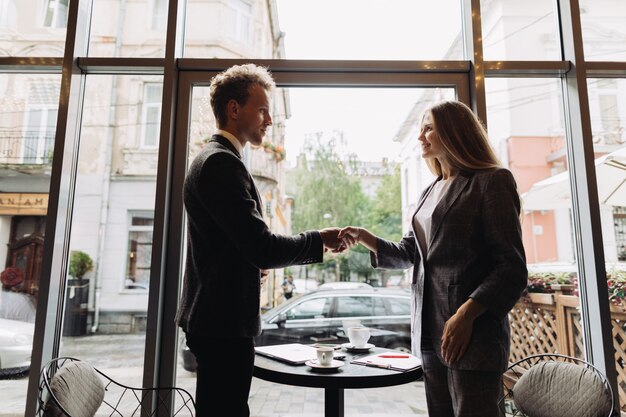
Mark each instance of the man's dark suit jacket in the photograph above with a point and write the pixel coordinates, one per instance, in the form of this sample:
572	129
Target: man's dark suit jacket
476	251
228	243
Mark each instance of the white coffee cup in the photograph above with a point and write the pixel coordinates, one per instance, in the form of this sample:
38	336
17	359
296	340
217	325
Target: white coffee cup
325	355
358	336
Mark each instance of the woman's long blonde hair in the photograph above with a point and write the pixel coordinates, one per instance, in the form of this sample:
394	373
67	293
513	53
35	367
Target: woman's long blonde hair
463	137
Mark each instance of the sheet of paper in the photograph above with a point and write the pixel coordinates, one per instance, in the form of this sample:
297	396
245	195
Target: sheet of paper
401	361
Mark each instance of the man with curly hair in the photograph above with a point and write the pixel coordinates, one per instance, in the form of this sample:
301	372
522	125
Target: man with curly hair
229	245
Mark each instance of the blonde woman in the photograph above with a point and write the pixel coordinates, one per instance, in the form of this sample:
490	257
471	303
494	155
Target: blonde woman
465	244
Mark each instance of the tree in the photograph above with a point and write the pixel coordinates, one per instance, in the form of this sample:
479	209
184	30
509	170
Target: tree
385	217
324	193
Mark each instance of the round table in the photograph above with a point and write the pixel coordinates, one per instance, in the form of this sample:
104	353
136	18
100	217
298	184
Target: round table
346	377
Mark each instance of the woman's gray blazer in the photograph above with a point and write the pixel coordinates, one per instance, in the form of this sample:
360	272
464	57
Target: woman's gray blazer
476	251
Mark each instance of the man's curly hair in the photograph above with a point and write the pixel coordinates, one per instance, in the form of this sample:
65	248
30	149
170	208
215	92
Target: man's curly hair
234	84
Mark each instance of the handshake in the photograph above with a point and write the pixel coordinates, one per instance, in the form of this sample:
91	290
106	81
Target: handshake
338	240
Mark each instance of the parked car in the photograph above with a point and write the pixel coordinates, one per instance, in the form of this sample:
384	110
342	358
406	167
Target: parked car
16	345
344	285
322	317
303	286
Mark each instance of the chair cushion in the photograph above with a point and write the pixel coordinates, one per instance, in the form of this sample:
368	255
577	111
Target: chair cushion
78	388
554	389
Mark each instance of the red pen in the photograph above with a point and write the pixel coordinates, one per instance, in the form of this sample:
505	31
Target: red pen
393	356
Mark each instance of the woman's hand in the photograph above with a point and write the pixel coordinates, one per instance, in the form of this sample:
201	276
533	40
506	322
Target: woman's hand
354	235
457	332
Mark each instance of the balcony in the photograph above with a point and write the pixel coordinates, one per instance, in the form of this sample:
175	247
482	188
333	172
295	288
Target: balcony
264	166
19	149
25	162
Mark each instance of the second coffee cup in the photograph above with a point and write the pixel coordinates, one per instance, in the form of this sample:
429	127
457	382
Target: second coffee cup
325	355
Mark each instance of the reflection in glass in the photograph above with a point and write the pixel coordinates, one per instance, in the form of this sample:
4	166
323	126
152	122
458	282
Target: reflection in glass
518	31
28	108
128	29
34	28
304	29
603	24
608	123
526	127
55	13
112	221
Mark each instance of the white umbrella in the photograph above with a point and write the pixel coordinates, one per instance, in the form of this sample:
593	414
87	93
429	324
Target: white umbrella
554	192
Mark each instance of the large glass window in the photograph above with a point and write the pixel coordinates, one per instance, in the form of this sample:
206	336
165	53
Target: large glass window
364	136
28	107
34	28
608	122
603	30
128	28
159	15
519	31
389	30
112	226
328	159
526	126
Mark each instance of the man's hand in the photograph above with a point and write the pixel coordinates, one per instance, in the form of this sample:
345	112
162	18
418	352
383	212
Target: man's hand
332	242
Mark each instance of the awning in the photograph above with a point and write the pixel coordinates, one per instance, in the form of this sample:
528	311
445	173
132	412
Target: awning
554	192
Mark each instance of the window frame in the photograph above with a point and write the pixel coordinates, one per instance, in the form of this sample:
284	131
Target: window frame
572	70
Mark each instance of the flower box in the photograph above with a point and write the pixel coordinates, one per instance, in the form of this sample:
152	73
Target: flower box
541	298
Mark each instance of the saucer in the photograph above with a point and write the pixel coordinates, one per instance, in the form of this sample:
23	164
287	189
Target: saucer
351	348
315	366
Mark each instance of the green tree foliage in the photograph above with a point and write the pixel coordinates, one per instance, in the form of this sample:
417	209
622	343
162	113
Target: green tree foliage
327	193
385	217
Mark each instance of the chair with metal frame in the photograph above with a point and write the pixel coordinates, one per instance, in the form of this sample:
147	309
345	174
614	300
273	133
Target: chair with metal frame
69	387
555	385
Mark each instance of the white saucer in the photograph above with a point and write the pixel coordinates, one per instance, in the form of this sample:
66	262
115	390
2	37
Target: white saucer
313	363
351	348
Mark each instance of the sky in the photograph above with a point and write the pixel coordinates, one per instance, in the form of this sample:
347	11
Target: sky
361	29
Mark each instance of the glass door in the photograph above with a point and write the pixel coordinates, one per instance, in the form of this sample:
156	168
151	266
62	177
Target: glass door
362	129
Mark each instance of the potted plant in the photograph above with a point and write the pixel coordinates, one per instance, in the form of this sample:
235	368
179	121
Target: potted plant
80	264
77	294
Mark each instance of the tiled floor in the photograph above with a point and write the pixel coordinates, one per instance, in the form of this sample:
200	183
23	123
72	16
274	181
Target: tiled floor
267	399
120	356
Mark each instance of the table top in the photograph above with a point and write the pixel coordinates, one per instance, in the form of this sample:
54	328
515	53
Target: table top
347	376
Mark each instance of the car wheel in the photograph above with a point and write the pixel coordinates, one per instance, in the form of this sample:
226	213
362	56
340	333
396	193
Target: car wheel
401	347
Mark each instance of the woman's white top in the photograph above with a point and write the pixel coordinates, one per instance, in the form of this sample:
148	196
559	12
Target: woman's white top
422	218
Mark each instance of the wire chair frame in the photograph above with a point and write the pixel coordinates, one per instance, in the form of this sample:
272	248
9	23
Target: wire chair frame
517	369
118	395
